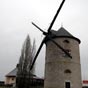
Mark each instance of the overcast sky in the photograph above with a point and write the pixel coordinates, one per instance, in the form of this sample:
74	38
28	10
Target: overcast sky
15	23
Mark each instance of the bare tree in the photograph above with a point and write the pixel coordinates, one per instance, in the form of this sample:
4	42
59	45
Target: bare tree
25	61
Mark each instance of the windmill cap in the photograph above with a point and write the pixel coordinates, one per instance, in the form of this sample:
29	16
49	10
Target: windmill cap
62	32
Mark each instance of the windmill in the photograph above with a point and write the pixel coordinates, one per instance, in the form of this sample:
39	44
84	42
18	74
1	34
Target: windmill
48	36
60	70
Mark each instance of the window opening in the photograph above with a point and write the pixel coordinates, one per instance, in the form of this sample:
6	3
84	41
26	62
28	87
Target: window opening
67	71
66	41
67	85
69	51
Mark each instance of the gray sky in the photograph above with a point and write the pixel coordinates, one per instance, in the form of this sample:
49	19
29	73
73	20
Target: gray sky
15	23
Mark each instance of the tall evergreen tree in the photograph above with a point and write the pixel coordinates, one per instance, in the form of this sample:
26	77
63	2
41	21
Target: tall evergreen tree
25	61
33	55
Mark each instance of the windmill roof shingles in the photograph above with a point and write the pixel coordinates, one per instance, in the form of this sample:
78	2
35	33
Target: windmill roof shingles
62	32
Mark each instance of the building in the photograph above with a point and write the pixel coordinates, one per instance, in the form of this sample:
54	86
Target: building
10	80
11	77
61	71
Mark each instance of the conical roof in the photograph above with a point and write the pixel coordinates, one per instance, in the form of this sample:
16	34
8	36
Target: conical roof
62	32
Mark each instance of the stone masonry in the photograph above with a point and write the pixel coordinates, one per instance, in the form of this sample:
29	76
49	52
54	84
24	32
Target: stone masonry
62	71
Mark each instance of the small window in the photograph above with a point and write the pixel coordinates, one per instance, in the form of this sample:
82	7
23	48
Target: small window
66	41
67	71
67	85
12	78
69	51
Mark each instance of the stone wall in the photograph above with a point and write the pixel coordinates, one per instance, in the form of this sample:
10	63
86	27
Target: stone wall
57	63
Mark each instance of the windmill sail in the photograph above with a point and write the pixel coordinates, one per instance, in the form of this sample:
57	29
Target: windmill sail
48	35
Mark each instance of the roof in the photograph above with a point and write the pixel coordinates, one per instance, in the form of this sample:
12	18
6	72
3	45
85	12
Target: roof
12	73
62	32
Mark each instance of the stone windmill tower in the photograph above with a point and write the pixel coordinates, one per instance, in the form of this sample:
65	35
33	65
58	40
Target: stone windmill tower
62	64
62	71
